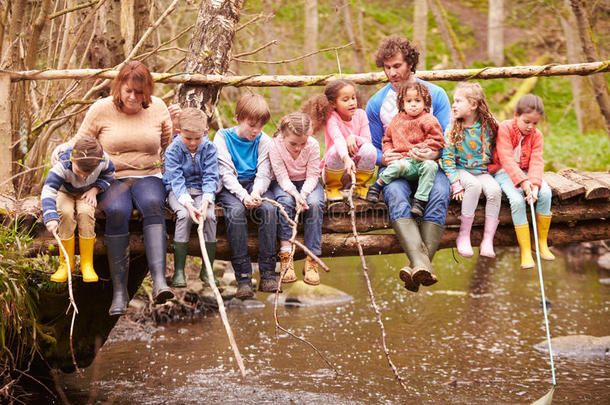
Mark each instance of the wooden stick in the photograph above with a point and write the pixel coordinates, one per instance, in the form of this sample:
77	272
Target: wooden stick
221	305
365	271
321	80
71	296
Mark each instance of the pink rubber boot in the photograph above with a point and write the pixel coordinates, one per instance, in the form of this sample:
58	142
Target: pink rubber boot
463	240
487	244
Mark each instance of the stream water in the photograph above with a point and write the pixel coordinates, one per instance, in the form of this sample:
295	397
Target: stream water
468	339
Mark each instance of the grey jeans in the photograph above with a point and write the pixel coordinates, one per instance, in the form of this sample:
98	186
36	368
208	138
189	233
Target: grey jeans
184	221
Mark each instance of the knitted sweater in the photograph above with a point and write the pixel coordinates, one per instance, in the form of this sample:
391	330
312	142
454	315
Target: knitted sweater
134	142
228	173
405	133
286	169
338	130
509	137
468	154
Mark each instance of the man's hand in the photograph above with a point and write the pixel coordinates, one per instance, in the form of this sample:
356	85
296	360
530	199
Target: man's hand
52	226
424	154
389	157
90	196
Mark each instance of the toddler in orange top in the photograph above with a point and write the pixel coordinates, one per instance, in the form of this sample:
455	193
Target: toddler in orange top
413	128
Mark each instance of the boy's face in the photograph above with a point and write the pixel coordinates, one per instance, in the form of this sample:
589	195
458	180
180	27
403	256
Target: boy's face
78	171
191	139
249	129
414	103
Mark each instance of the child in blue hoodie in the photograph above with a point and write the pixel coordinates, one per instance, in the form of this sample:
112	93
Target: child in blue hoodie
191	178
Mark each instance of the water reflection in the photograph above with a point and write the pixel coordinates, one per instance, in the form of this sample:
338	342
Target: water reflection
468	339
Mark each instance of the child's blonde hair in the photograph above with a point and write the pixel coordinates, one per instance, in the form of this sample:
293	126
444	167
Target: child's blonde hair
319	106
297	123
474	92
193	120
421	89
529	103
252	107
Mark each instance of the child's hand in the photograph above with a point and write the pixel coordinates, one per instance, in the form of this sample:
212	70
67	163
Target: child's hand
350	166
252	201
301	202
174	113
90	196
457	190
52	226
528	189
352	145
193	213
459	196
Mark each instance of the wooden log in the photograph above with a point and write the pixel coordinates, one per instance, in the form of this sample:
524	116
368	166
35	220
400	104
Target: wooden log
563	188
321	80
593	187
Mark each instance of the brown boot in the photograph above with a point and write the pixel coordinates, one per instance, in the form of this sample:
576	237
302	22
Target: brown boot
285	262
310	272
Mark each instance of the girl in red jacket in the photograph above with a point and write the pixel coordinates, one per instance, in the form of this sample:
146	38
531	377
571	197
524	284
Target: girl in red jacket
518	168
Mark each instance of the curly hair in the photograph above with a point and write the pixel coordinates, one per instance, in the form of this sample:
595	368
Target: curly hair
297	123
390	46
320	106
421	89
473	92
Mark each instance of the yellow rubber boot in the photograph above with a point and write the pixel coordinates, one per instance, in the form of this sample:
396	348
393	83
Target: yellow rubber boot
85	246
285	263
362	177
61	275
543	223
523	237
333	184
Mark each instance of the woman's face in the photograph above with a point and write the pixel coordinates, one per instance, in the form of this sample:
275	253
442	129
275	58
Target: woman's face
131	98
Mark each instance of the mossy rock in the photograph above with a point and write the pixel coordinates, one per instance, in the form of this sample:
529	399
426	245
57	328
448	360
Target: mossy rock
580	347
299	294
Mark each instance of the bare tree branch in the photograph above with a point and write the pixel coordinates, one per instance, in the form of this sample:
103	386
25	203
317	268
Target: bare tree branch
293	59
75	8
239	55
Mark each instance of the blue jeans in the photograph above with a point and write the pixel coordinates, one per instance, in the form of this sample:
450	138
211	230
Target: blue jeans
312	217
397	196
147	194
516	197
236	222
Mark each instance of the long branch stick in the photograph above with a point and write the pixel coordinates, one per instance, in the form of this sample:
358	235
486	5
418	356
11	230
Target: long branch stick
365	272
71	296
221	305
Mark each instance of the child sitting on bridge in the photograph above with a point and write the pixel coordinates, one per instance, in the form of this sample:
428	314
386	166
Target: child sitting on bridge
73	183
295	159
245	174
519	167
191	178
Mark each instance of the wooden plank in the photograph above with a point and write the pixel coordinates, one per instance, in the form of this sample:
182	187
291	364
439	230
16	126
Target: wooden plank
563	188
593	188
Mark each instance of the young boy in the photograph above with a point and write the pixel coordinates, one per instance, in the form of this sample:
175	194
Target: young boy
245	174
74	182
191	177
413	128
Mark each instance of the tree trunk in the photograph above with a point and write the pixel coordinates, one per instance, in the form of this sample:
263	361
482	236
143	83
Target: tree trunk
420	30
588	116
210	51
599	82
275	97
5	134
449	37
495	32
310	65
114	38
144	16
351	37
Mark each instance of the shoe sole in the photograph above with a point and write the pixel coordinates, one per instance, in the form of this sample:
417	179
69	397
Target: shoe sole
410	285
424	277
163	296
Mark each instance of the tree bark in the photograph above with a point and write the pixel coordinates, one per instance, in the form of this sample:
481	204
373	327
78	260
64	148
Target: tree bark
420	30
310	65
5	134
495	32
210	51
599	82
144	16
449	37
349	30
275	96
114	38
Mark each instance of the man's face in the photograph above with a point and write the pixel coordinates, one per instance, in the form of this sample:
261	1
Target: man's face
396	69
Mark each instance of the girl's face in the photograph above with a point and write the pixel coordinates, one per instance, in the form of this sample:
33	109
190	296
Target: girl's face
463	108
294	143
132	98
249	129
527	122
413	103
346	103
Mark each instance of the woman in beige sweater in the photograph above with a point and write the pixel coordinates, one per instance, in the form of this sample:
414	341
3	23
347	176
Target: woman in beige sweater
134	129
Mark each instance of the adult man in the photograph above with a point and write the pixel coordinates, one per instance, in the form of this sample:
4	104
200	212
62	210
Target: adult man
399	59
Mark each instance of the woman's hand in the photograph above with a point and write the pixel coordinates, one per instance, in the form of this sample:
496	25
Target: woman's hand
57	151
90	196
52	226
352	145
174	113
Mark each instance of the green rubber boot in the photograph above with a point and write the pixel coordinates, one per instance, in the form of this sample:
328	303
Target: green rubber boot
210	248
179	279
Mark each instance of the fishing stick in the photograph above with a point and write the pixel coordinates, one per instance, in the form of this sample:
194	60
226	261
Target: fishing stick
221	305
546	318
